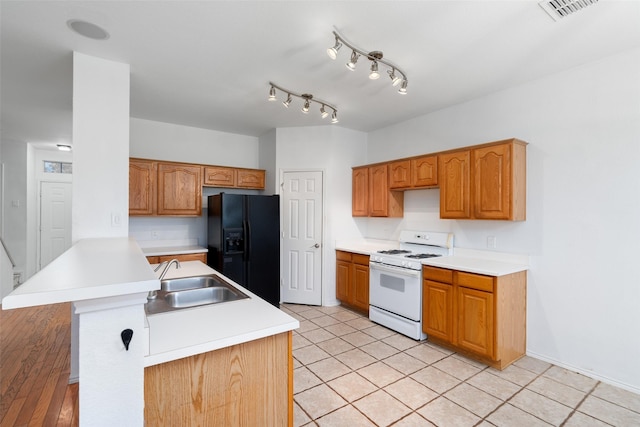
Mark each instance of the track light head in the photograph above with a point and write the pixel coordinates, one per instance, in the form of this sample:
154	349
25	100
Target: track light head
272	94
403	87
334	117
374	75
307	101
395	80
333	51
287	101
351	65
323	112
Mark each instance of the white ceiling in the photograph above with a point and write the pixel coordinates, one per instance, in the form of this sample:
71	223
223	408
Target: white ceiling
208	63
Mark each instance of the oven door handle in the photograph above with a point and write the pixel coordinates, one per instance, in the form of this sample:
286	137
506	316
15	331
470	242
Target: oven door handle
395	270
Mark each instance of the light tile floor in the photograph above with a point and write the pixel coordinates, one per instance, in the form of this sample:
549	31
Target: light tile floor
349	371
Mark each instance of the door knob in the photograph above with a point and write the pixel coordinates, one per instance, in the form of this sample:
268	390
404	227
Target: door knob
317	245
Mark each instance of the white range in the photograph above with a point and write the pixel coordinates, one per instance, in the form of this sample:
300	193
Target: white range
395	280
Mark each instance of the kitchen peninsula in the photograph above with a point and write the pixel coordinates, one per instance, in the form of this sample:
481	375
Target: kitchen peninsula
108	281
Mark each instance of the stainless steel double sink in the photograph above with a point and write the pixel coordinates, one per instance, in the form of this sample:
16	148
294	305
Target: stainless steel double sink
185	292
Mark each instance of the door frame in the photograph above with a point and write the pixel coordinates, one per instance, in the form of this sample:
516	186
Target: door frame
323	225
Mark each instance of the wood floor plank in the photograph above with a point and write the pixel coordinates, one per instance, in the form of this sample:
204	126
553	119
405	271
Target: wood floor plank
34	367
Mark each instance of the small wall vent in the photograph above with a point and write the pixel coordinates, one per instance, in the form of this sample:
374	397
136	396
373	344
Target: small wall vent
559	9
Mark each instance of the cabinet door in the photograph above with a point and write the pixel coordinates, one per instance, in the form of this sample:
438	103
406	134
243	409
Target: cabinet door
142	187
454	179
343	280
251	178
378	191
179	190
424	171
360	192
437	306
216	176
476	326
400	174
492	182
361	286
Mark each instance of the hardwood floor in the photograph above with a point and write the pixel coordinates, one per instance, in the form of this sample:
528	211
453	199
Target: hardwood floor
34	367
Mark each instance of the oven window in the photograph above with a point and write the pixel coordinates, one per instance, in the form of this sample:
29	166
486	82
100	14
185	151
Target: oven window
392	282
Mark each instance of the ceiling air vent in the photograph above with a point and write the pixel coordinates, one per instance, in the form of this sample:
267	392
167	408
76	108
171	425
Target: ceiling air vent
559	9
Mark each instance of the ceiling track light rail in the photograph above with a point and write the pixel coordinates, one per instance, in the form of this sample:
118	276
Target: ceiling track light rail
308	99
397	76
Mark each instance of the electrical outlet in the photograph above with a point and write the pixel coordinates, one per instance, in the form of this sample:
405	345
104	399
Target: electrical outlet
116	219
491	242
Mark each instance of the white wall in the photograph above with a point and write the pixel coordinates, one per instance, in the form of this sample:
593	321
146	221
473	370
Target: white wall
267	153
100	147
14	159
333	150
177	143
583	206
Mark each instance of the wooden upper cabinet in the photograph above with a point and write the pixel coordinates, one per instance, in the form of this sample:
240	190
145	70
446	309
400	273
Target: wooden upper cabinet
455	185
360	192
400	174
371	195
218	176
142	187
499	188
378	190
424	171
179	189
250	178
221	176
487	182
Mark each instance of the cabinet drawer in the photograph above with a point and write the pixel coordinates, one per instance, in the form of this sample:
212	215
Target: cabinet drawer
475	281
343	256
437	274
360	259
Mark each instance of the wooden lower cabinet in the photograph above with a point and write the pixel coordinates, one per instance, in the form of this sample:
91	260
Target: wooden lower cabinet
481	316
249	384
201	256
352	279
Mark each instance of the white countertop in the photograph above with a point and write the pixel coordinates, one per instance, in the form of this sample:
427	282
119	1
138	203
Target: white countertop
182	333
90	269
489	263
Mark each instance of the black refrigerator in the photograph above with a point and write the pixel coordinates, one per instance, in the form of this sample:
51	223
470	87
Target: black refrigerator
244	241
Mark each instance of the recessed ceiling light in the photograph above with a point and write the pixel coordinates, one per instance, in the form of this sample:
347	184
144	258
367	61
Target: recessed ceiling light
88	29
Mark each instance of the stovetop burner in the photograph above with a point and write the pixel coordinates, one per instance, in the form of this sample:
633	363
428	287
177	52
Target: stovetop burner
422	256
394	252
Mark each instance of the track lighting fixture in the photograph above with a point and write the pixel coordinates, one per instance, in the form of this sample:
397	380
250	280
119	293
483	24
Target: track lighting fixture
308	99
397	76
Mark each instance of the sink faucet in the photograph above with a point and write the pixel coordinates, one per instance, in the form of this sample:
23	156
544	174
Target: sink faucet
166	268
154	294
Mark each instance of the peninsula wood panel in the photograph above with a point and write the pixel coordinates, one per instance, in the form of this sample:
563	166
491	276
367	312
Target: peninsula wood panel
243	385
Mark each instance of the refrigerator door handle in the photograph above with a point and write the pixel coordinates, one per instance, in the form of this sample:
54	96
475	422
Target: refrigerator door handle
247	240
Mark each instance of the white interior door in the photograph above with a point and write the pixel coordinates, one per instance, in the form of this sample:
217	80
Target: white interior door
55	220
302	241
